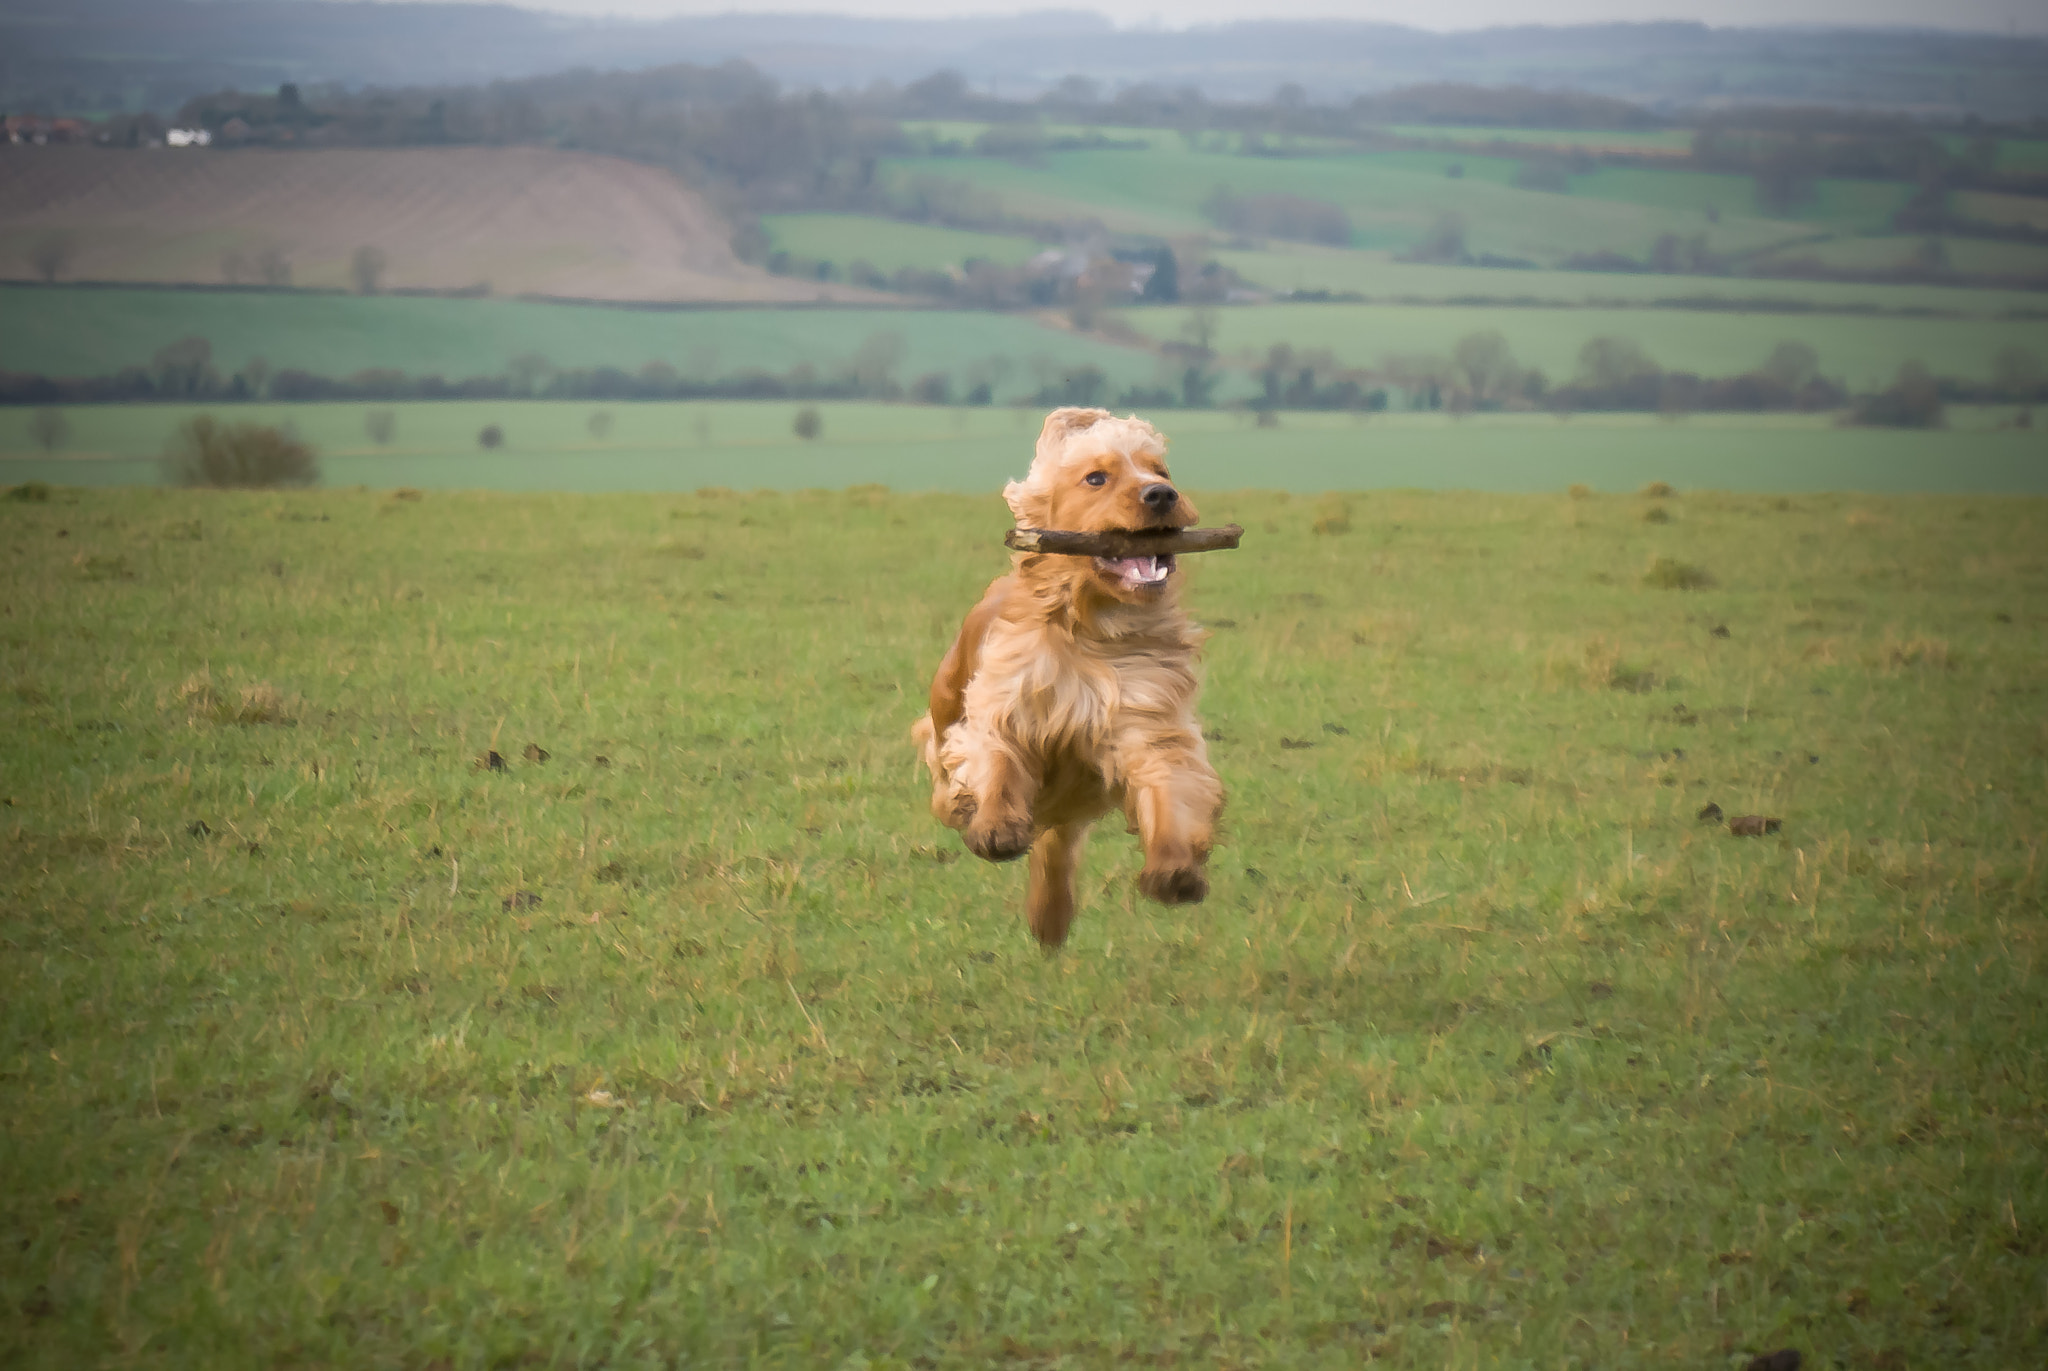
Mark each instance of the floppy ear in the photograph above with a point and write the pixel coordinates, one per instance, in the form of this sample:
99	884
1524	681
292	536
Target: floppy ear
1027	503
1062	424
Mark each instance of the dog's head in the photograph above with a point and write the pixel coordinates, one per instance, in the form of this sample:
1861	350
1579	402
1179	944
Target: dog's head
1096	473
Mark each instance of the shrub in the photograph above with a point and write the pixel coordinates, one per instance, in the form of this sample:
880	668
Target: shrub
1580	491
1333	515
1296	217
206	452
490	436
1445	241
599	424
1658	490
30	492
1656	514
1913	400
1666	574
808	424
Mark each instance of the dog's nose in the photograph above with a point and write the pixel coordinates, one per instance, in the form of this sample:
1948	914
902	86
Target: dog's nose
1160	497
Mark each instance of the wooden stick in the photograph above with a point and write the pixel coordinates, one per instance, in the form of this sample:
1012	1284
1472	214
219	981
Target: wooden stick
1162	543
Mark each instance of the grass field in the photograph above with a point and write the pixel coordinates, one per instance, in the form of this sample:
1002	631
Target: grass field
87	332
1646	140
1392	198
1861	351
889	244
1283	266
1880	252
680	447
693	1042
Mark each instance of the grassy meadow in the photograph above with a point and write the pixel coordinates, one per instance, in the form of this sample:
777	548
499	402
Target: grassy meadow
1283	266
89	332
1862	351
889	245
687	1036
588	447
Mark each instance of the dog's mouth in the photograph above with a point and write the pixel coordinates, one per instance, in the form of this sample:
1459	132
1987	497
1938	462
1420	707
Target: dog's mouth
1137	573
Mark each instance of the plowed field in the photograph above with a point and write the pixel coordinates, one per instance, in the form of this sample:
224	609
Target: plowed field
516	221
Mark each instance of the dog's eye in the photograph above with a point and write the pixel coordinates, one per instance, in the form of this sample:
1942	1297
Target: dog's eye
1096	478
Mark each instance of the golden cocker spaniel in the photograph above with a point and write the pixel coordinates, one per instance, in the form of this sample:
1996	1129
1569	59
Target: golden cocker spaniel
1070	690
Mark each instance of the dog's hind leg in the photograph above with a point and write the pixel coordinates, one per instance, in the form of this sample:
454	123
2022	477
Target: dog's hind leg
1054	859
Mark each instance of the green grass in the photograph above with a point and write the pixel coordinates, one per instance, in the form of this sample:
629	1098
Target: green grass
1656	140
2027	210
1974	255
889	244
83	332
695	1043
1862	351
1392	198
1301	266
680	447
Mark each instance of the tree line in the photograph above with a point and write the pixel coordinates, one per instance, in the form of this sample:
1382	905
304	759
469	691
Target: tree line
1479	374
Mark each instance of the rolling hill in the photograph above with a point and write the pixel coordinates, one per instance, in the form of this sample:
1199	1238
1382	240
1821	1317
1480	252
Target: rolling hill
501	221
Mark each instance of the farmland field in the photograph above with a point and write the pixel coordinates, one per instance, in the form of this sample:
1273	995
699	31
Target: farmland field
88	332
889	244
1392	198
516	220
1861	351
688	1038
1643	140
1283	266
680	447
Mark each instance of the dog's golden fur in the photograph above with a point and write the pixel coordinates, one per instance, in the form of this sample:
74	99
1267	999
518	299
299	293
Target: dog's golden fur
1070	690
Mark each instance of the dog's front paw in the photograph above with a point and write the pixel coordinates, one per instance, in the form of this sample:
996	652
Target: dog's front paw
1173	884
998	841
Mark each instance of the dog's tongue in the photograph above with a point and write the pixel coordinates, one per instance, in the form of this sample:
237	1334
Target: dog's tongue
1138	571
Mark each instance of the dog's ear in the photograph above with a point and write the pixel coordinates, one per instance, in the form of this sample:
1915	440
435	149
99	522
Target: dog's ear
1027	498
1027	503
1061	424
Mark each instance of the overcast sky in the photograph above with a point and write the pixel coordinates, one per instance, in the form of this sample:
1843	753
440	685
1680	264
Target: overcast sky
2027	16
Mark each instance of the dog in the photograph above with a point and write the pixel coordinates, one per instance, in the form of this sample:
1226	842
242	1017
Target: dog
1070	690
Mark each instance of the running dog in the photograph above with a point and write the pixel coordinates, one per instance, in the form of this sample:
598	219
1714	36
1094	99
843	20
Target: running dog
1070	690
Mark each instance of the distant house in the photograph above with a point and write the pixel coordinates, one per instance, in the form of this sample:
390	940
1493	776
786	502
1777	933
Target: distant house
34	128
188	138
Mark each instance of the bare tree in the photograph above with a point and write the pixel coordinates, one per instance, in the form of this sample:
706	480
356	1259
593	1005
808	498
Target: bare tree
52	254
273	268
381	425
366	269
49	428
527	370
1791	364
